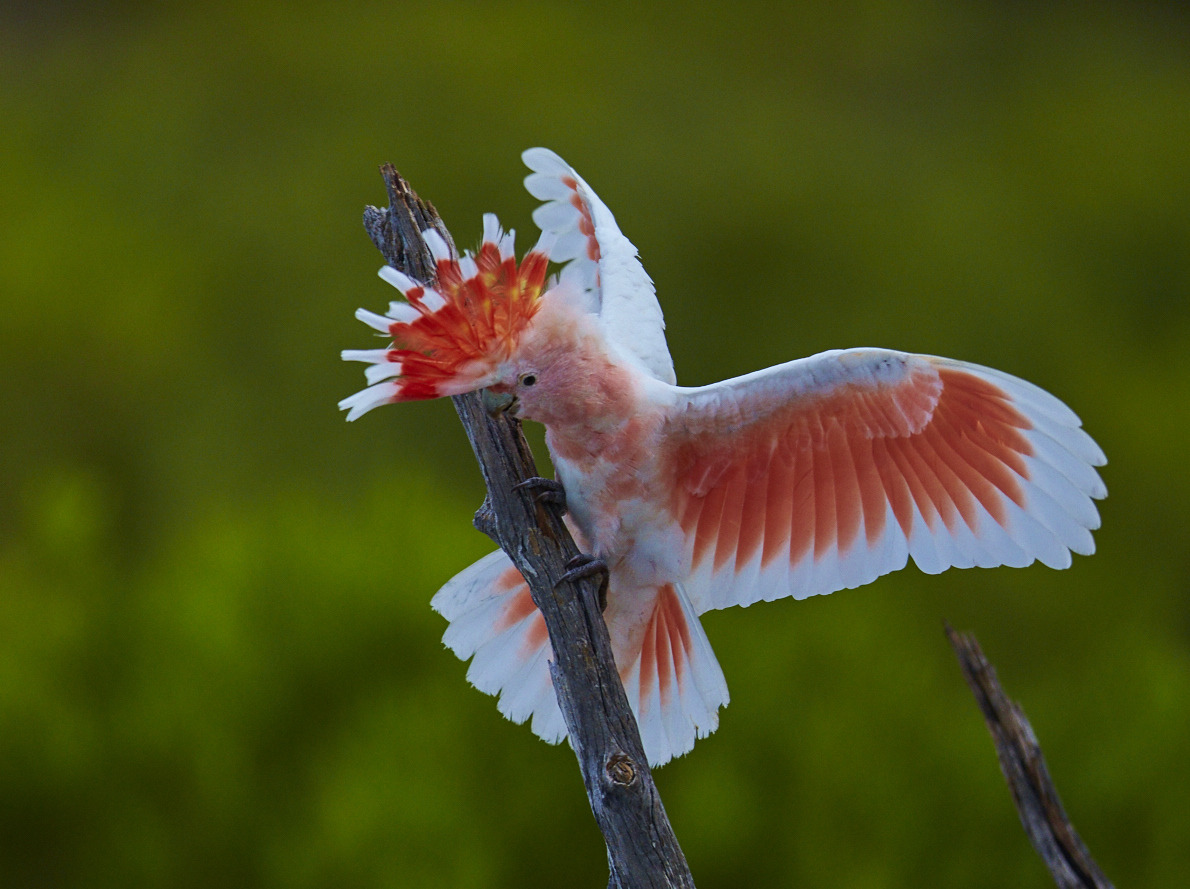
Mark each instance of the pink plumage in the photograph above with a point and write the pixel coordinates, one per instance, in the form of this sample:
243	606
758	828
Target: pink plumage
805	478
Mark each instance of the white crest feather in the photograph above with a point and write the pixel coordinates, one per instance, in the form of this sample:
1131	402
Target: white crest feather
374	321
439	249
398	279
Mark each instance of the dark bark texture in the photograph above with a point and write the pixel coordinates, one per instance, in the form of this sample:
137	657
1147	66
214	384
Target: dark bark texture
1033	791
641	847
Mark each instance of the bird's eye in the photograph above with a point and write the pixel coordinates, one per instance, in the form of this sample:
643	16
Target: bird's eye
528	379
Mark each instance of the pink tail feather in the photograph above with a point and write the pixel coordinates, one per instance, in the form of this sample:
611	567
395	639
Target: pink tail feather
672	678
493	621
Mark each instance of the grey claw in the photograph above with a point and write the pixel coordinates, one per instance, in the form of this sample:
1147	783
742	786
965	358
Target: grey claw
583	566
544	490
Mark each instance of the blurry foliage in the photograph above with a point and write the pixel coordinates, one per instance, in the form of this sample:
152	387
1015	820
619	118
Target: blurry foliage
218	660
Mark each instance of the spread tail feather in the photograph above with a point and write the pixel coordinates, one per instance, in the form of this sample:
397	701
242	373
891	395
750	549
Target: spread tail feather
671	676
493	621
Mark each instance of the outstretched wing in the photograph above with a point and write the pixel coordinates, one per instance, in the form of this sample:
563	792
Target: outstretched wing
601	263
827	472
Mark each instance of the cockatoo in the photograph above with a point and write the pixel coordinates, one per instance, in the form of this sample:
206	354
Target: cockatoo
816	475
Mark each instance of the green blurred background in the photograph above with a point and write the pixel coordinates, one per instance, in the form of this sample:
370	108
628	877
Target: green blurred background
218	665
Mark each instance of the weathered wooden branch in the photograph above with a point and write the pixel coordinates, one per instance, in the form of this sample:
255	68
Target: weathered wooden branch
1033	791
641	846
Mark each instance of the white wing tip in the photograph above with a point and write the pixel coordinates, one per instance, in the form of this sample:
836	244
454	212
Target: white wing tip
543	160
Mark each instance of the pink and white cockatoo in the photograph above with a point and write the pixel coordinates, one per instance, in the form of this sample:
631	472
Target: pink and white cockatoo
805	478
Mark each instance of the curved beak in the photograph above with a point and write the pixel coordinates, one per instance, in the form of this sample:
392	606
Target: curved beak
496	402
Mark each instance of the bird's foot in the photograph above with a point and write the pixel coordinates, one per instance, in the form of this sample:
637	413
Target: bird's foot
583	566
544	490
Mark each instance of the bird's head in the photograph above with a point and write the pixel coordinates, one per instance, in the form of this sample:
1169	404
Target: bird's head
481	326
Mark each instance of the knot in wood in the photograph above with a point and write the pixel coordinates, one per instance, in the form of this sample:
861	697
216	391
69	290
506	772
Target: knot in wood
621	769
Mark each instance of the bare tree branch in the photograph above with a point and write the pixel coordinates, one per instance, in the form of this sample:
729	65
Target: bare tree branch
1033	791
641	846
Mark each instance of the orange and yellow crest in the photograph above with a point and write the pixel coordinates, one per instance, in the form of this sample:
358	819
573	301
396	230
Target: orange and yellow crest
450	338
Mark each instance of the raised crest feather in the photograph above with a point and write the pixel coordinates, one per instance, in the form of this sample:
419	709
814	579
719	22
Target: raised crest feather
450	338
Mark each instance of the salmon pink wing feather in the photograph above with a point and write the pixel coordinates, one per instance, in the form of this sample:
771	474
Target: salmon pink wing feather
601	263
825	473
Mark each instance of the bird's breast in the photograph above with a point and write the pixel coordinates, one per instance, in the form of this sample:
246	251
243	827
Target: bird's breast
614	497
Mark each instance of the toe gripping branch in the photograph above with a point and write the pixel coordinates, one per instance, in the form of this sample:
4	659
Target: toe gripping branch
583	566
544	490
